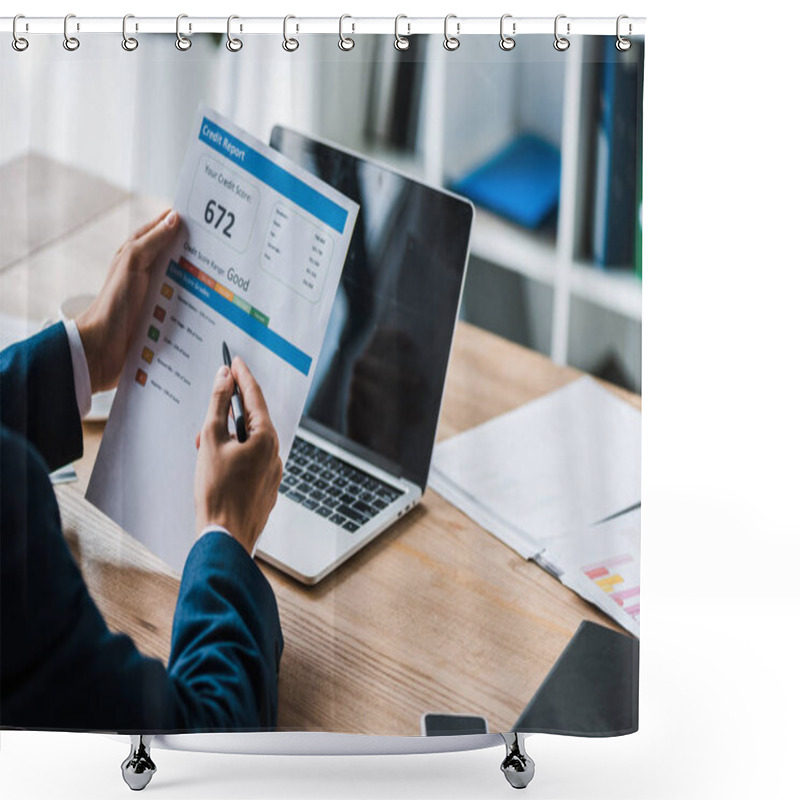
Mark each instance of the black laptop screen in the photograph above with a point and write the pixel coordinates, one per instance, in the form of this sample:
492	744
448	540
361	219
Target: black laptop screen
380	376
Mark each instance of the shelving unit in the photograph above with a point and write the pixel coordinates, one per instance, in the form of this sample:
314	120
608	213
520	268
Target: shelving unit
475	100
620	292
555	263
506	244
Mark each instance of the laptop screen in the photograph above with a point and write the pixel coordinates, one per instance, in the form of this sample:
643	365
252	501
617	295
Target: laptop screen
380	377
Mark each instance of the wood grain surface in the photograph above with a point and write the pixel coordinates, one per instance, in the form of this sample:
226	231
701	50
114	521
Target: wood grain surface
42	200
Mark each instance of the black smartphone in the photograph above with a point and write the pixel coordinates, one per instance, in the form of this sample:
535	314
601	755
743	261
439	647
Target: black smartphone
453	724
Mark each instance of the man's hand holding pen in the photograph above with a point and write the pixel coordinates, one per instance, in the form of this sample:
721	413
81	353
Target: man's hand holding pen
236	483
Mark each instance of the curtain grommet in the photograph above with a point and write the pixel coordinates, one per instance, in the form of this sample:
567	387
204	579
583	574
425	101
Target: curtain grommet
346	43
622	44
451	43
233	44
71	43
182	42
19	43
561	43
401	43
289	44
129	43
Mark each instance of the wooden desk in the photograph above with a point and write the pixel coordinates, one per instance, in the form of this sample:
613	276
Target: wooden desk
434	615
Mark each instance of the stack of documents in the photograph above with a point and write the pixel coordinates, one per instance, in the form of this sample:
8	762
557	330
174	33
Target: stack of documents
543	476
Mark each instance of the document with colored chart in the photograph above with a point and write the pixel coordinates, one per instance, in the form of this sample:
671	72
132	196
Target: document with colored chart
601	563
552	479
256	264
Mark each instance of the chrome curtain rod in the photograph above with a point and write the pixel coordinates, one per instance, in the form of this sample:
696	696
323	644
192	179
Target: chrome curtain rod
346	25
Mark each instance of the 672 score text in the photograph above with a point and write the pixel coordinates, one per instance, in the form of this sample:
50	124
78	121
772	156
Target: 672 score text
223	203
214	215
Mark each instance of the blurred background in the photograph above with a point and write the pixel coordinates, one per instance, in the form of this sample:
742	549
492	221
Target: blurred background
556	246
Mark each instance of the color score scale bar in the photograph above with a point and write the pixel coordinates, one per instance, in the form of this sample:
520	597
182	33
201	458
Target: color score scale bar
237	311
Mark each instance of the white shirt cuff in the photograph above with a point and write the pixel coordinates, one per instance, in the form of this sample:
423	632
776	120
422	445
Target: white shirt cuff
80	369
212	528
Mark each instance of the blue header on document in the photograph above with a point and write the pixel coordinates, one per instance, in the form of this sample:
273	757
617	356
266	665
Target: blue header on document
291	187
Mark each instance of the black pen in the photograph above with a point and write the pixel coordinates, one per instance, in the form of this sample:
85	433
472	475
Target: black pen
236	400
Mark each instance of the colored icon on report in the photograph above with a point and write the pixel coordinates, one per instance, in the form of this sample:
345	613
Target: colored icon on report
154	333
141	377
147	355
166	291
159	313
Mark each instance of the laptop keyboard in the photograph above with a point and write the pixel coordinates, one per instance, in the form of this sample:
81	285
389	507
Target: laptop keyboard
328	486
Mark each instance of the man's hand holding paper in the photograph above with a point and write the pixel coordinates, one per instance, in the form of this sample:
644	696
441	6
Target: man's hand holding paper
256	265
107	326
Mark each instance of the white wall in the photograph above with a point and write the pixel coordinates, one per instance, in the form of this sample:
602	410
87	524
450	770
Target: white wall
129	125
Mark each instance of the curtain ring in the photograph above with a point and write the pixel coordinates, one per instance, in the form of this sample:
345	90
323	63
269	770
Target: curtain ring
129	43
233	44
289	44
71	43
507	42
451	42
18	43
561	43
401	42
181	42
345	42
622	44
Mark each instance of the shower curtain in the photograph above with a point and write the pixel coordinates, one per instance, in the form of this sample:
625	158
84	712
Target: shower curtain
472	612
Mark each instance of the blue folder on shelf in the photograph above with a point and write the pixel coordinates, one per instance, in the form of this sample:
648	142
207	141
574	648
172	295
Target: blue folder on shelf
520	183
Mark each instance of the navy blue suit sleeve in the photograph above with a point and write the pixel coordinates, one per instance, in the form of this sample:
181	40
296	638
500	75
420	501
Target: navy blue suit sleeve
226	619
60	666
37	395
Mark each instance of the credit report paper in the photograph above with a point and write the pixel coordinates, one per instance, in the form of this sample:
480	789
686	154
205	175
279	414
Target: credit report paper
256	264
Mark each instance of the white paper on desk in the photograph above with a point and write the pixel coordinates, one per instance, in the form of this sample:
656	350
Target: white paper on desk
601	563
257	264
562	462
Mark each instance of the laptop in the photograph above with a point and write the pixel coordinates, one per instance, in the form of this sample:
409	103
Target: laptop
363	449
